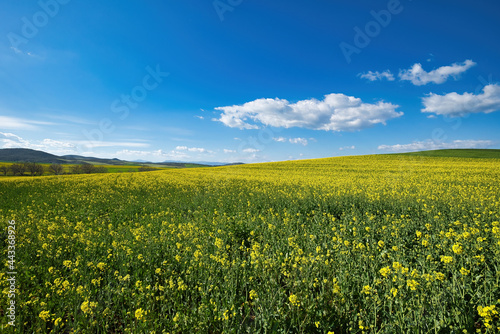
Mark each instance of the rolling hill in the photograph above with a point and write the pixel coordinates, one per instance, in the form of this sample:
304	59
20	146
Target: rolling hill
29	155
458	153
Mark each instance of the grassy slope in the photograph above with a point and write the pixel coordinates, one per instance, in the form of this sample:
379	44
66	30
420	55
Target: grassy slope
458	153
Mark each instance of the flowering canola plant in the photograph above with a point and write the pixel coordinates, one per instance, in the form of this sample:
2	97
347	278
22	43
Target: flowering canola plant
368	244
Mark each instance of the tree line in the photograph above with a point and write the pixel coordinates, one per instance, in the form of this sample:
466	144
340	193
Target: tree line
36	169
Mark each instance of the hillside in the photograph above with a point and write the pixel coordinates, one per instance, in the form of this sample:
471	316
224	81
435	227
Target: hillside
28	155
458	153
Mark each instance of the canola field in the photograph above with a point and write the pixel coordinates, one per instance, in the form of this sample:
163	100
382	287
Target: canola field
367	244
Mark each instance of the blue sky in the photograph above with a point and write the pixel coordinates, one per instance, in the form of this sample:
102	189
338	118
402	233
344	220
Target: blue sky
248	81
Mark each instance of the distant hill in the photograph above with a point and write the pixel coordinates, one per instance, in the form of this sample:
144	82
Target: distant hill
92	160
458	153
28	155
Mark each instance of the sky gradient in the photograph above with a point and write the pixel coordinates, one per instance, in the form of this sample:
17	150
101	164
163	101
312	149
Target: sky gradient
248	81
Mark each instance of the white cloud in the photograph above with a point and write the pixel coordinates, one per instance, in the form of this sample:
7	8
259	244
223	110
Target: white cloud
454	104
372	76
337	112
418	76
347	148
280	139
251	150
436	145
191	149
301	141
10	140
7	122
93	144
154	156
229	151
79	147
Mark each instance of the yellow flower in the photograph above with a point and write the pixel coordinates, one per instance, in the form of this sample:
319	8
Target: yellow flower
45	315
176	317
439	276
446	259
396	265
140	313
101	266
367	290
253	294
85	307
464	271
294	300
57	321
412	284
385	271
381	244
394	292
457	249
488	313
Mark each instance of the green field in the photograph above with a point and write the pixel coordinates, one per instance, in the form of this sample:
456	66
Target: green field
458	153
366	244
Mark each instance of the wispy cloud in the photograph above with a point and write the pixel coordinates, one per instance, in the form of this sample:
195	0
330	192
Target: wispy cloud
301	141
454	104
373	76
418	76
347	148
15	123
193	149
94	144
69	118
337	112
251	150
436	145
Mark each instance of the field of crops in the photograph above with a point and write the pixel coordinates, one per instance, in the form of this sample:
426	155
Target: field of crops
369	244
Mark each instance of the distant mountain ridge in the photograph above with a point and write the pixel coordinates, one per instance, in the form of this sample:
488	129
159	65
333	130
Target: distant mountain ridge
30	155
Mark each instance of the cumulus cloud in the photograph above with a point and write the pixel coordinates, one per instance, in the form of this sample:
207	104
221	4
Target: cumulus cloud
418	76
347	148
10	140
280	139
336	112
454	104
373	76
436	145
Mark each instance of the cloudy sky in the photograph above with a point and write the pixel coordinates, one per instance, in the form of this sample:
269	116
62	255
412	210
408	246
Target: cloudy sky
250	81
